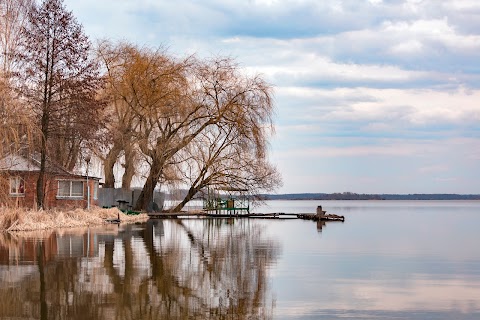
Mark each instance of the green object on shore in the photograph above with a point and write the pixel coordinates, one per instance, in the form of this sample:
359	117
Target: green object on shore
132	213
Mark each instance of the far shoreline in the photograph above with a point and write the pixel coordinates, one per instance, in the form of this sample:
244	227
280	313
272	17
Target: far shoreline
364	196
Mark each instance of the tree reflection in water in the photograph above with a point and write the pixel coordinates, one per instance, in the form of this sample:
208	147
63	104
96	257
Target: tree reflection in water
164	269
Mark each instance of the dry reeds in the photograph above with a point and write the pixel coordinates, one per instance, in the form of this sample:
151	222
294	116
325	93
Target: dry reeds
20	219
9	217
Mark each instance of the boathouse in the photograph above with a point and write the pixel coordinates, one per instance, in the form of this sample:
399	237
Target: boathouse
227	200
63	189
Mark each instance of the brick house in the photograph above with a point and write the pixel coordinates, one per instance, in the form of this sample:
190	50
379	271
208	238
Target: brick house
63	189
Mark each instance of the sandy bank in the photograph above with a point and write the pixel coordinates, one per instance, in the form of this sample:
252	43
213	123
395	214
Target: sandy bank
19	219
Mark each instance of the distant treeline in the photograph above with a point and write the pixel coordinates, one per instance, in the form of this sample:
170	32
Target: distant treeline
357	196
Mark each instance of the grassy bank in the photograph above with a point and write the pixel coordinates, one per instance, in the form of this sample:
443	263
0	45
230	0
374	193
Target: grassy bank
20	219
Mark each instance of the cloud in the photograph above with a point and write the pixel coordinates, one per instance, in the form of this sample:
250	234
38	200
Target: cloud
382	147
370	59
311	70
358	84
436	33
399	107
397	38
409	47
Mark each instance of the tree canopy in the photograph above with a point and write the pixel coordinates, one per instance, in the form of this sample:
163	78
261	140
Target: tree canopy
195	122
58	82
190	122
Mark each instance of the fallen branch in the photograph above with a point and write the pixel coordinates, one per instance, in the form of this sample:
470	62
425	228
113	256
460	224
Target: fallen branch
12	225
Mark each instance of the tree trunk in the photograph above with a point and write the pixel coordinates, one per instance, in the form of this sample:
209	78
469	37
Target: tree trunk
146	196
129	168
108	165
43	161
41	183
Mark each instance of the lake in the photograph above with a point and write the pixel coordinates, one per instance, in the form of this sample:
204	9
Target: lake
388	260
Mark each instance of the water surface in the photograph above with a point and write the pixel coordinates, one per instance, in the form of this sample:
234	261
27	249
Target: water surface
388	260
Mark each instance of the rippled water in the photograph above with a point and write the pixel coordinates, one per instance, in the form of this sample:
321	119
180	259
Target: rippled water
388	260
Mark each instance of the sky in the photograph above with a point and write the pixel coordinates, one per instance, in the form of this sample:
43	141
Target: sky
371	96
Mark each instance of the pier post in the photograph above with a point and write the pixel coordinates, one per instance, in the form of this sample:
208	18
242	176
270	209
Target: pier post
320	212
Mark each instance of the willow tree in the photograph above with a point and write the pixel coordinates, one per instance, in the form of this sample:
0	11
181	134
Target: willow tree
223	158
150	110
59	79
13	16
218	96
160	105
232	154
121	62
16	132
148	91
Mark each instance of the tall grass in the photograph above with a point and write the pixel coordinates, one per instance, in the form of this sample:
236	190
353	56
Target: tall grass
20	219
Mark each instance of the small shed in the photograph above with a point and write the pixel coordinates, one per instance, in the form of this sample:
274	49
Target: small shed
63	189
225	200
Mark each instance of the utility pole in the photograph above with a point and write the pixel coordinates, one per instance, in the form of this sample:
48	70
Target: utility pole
87	160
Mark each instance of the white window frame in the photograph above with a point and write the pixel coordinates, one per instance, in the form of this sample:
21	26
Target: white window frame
70	190
95	190
17	182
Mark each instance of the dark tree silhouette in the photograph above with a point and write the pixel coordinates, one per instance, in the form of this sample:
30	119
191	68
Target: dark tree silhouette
59	81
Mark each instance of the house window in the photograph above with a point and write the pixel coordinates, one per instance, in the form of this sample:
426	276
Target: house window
70	189
17	187
95	190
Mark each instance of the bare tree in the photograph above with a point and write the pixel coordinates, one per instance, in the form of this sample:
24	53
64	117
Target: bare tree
59	78
218	95
123	64
16	132
148	90
160	105
15	127
222	158
13	16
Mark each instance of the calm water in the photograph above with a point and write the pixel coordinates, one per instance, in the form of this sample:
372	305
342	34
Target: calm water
388	260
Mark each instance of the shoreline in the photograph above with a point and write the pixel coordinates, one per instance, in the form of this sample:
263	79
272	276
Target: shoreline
21	219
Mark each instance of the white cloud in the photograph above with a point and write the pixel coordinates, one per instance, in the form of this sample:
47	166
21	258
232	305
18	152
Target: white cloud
462	5
432	31
352	78
383	147
408	47
309	68
411	107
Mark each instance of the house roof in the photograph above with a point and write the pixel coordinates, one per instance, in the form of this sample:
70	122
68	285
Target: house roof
30	163
17	163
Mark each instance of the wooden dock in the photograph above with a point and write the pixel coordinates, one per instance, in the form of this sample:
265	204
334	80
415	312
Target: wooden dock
274	215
